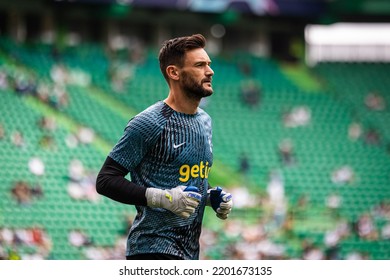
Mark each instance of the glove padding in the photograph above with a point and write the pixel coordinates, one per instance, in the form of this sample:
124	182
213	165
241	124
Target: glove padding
220	201
177	200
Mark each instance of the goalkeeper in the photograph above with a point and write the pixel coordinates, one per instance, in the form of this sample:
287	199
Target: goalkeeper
167	150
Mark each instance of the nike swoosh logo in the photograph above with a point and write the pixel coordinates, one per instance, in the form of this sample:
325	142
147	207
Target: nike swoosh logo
178	145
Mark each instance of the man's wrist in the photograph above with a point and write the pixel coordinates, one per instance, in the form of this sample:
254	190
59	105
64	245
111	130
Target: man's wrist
153	197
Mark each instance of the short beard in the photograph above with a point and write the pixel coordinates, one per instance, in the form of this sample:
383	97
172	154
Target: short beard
193	90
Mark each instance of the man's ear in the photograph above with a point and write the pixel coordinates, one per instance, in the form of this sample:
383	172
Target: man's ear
173	72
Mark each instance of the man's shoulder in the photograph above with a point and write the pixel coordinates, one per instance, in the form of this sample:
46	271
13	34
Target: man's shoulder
157	111
201	111
203	115
156	114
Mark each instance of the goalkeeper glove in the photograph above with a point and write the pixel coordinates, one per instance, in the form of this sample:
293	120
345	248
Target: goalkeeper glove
220	201
181	200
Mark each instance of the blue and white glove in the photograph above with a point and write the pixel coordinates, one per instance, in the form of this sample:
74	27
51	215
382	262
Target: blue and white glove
220	201
181	200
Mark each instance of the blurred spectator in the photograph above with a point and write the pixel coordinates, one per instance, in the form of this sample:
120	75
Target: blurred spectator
83	135
245	68
3	253
79	238
343	175
24	85
355	131
333	203
82	184
59	74
2	132
47	124
288	225
79	77
277	199
382	210
275	186
301	207
374	101
3	80
244	164
251	93
13	254
137	54
24	193
365	227
36	166
86	135
71	141
47	142
107	252
372	136
208	240
286	152
36	191
17	240
120	73
356	255
311	251
297	116
343	228
76	170
39	237
241	241
385	231
56	53
270	250
243	198
58	97
17	139
43	92
332	239
248	248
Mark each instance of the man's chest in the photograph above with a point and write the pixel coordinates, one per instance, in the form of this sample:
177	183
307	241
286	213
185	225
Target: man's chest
183	143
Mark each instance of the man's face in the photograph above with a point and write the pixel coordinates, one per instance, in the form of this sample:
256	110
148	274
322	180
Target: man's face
196	74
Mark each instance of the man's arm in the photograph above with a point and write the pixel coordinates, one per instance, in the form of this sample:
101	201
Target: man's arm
220	201
111	182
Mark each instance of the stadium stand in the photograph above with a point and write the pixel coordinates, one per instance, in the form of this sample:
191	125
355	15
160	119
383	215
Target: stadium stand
315	121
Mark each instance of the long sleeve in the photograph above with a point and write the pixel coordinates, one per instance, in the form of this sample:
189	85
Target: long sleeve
111	182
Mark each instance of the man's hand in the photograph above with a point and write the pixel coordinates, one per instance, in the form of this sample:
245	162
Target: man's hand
220	201
178	200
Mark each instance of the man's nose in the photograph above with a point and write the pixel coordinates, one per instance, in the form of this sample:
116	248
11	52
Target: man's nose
209	71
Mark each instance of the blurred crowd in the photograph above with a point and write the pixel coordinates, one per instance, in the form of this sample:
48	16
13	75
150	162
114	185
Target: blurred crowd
261	236
24	243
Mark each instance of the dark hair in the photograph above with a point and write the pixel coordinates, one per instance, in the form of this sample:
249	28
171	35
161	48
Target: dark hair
172	51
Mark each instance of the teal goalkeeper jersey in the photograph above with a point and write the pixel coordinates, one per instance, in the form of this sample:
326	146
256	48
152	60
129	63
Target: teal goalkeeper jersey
162	149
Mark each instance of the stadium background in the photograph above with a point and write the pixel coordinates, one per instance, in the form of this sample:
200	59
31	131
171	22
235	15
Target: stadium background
306	156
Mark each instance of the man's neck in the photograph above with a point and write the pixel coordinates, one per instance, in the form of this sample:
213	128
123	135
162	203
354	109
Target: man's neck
182	104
